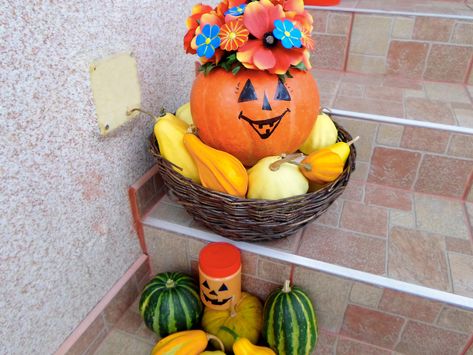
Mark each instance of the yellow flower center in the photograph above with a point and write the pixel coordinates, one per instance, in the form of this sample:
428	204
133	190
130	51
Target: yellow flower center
287	34
207	41
232	35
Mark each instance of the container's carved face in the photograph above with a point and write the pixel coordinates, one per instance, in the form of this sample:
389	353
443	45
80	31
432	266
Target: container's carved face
259	106
216	293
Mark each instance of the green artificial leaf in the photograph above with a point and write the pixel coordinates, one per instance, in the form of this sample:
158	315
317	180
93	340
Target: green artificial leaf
300	66
282	77
236	69
207	68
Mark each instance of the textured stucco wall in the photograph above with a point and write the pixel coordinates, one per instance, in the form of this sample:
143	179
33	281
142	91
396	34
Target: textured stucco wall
65	225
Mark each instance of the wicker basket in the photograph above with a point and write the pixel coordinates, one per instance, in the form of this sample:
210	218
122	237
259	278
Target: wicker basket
246	219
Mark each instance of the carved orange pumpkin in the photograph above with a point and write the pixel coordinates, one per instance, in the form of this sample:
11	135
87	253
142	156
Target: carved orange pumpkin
254	114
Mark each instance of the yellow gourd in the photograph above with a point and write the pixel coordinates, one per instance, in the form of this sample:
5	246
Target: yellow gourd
217	352
342	148
217	169
323	134
169	132
245	319
188	342
273	184
322	166
184	113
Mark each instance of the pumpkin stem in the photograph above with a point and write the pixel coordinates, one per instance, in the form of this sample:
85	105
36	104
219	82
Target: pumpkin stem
142	111
285	159
286	288
213	337
353	140
170	283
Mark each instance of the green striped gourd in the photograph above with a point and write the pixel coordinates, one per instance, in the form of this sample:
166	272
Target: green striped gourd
170	303
289	321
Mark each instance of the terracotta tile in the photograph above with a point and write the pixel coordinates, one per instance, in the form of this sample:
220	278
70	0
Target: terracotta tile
350	347
325	344
331	216
351	89
320	20
130	322
418	339
433	29
257	287
365	295
194	246
361	172
91	350
370	34
439	215
461	267
357	78
448	63
88	337
402	219
407	58
371	326
427	110
167	251
389	135
461	146
384	93
360	63
464	117
414	93
344	248
365	219
327	87
273	271
376	107
463	33
447	92
443	175
394	167
403	28
143	273
325	74
249	263
366	131
424	139
418	257
120	343
145	194
409	306
459	246
456	319
353	191
470	80
339	23
403	83
194	265
329	52
386	197
289	243
328	293
147	335
120	303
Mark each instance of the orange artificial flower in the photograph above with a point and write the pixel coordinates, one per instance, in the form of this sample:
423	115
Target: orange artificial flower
233	35
192	23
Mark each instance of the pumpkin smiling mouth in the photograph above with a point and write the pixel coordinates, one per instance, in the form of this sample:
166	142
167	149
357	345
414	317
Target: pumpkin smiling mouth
264	128
216	302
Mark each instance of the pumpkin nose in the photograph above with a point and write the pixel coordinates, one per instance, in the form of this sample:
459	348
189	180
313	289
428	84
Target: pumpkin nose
213	293
266	105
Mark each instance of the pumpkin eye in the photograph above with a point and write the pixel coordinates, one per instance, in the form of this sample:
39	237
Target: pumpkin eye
281	92
205	284
223	288
248	93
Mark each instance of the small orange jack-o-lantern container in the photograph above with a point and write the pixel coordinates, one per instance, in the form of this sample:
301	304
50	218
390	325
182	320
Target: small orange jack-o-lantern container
220	275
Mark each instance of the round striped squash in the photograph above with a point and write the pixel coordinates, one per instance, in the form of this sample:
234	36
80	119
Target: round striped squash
170	303
289	321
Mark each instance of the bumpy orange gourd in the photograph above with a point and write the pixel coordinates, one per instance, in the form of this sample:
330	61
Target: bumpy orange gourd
218	170
188	342
254	114
322	166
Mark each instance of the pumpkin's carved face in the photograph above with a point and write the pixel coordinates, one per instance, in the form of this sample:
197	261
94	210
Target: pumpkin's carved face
254	114
217	293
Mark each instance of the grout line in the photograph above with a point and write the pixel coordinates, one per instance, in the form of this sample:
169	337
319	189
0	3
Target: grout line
447	261
468	72
390	12
349	37
426	63
340	271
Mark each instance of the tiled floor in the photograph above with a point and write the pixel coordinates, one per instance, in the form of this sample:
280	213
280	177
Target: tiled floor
445	103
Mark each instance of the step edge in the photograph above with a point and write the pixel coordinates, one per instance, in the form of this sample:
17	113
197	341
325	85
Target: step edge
400	121
390	12
336	270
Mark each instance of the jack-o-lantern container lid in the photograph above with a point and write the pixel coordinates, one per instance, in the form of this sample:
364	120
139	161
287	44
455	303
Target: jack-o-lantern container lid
219	260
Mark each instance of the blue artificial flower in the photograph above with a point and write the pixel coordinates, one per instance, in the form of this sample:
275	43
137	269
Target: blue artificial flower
208	41
236	10
287	33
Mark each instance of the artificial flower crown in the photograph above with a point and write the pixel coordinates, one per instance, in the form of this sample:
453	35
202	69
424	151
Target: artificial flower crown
271	35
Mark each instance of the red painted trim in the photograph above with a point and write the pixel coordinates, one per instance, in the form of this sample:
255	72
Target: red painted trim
467	346
347	49
137	219
468	186
468	72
